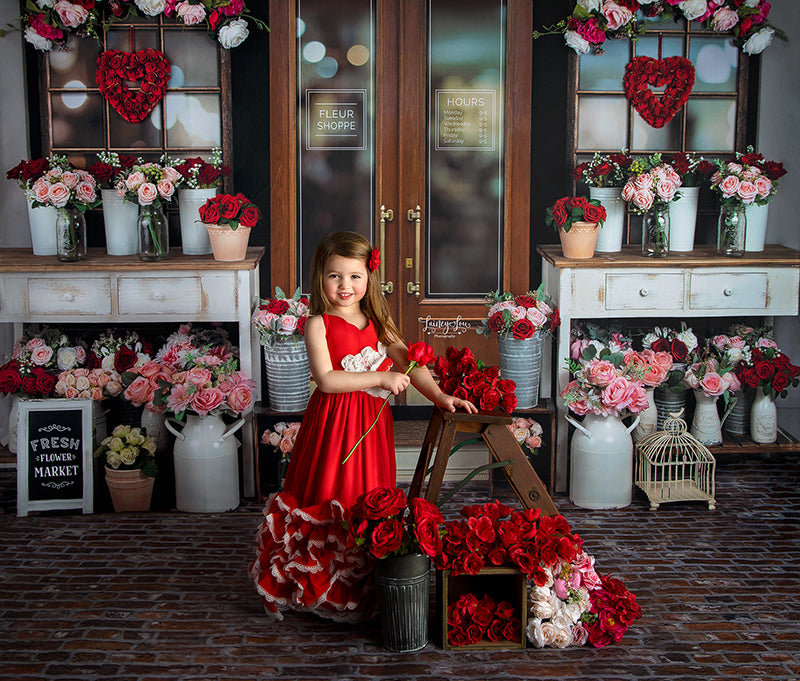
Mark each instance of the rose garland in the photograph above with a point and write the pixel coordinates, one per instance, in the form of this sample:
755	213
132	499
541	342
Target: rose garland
149	66
677	73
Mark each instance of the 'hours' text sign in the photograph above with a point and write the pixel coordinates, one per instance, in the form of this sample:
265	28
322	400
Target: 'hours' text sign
54	455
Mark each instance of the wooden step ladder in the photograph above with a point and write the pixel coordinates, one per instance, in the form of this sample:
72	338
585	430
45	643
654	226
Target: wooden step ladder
493	428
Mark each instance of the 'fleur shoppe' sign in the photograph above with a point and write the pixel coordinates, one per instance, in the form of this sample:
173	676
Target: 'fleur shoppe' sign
54	453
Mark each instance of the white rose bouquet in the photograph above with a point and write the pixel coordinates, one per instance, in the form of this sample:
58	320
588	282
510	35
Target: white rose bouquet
129	448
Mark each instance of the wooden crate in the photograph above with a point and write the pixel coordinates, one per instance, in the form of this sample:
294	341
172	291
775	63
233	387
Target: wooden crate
501	583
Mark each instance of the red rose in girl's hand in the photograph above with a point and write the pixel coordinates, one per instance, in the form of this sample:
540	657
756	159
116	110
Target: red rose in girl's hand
421	353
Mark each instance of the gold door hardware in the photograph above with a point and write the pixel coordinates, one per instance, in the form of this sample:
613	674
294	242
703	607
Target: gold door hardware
386	216
414	216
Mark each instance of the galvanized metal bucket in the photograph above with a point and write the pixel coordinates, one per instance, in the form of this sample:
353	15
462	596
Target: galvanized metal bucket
738	419
521	361
288	375
668	402
403	585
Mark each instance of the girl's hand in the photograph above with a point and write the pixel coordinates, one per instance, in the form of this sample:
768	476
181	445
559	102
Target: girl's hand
451	403
394	381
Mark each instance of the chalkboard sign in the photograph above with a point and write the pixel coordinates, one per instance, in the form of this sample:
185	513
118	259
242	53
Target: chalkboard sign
54	455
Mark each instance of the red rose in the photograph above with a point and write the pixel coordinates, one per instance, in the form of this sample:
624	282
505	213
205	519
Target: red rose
386	537
496	322
679	350
555	319
374	261
124	359
525	301
10	380
45	382
249	216
780	381
490	400
472	564
380	502
209	213
29	384
592	213
427	534
228	207
512	631
764	370
495	631
301	325
277	306
660	345
522	329
420	353
421	509
560	213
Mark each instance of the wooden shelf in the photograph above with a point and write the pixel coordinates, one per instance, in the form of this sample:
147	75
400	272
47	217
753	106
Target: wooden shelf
739	444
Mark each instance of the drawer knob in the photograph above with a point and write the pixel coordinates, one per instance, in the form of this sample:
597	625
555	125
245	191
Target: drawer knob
69	297
728	292
157	296
643	292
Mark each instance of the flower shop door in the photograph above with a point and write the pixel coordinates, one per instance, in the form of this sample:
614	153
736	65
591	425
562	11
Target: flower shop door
407	121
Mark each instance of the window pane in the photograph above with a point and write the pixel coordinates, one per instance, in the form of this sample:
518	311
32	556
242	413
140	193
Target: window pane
715	63
647	138
193	120
193	63
465	147
602	123
671	46
120	39
336	155
604	72
78	65
124	135
710	124
77	120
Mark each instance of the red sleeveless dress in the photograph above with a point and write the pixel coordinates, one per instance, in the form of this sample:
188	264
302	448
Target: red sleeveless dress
305	560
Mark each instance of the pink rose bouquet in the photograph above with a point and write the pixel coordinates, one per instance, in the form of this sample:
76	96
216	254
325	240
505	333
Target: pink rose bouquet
520	315
95	384
281	319
746	179
652	182
527	433
147	184
604	383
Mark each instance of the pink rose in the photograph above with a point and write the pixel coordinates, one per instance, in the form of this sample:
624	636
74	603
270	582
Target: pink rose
41	355
86	192
165	189
139	391
147	193
666	189
654	375
41	191
198	376
724	19
34	343
536	316
643	199
616	15
729	186
600	372
179	398
207	399
240	398
288	325
628	191
190	14
133	180
58	194
149	369
643	181
747	191
763	186
71	15
619	394
712	384
70	179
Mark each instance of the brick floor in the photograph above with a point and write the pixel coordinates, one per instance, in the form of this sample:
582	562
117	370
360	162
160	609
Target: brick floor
165	595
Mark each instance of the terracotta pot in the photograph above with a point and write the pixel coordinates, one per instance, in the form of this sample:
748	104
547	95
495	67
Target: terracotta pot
131	490
580	241
228	244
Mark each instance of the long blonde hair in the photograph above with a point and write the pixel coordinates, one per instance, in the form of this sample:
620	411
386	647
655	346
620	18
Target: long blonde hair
373	304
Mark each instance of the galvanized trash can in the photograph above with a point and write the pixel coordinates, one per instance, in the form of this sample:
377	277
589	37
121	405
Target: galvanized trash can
521	361
403	585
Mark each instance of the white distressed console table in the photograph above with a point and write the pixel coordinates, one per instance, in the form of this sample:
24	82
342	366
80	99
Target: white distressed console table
123	290
698	283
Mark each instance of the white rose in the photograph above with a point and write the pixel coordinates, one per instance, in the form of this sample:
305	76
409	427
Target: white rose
66	358
692	9
563	637
579	633
233	33
590	5
38	41
534	632
45	3
151	8
107	363
576	41
274	439
688	339
113	460
758	42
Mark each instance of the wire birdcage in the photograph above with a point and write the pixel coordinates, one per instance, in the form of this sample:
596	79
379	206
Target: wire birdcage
672	465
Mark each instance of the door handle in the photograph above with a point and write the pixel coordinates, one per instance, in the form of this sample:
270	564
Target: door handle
414	216
386	216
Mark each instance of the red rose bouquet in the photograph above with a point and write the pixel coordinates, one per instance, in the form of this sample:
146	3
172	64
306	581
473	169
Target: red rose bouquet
680	345
384	523
571	209
768	369
117	350
197	173
613	610
470	620
110	167
693	170
463	376
280	319
609	170
521	316
233	210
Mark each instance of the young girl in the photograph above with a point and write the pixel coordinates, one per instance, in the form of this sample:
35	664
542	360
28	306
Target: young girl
304	561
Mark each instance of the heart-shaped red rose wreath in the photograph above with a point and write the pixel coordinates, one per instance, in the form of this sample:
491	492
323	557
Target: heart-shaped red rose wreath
115	67
677	73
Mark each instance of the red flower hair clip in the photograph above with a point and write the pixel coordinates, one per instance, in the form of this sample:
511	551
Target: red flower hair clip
374	261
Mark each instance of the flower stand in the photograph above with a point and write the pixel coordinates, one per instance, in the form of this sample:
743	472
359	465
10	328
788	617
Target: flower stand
403	587
502	585
131	490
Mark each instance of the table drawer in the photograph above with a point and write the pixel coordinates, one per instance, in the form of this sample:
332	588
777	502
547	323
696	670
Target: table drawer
57	295
160	295
644	291
728	291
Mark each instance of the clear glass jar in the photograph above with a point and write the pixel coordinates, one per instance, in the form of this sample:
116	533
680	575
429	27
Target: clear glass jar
70	234
655	231
731	230
153	233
